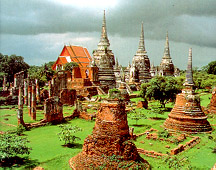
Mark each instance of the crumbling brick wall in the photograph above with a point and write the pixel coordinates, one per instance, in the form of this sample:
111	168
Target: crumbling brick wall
212	106
68	96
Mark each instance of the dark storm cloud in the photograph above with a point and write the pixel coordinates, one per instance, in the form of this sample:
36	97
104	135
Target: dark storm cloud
26	17
189	21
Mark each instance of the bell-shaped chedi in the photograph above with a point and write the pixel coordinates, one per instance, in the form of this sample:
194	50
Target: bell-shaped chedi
186	115
109	146
212	105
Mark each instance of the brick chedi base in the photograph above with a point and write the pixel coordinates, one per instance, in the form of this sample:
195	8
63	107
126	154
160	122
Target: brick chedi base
212	107
108	146
187	115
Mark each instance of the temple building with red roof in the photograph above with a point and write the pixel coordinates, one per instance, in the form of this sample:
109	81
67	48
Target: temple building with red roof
77	54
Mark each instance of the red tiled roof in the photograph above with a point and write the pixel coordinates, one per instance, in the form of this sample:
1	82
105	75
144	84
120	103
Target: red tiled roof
63	60
77	54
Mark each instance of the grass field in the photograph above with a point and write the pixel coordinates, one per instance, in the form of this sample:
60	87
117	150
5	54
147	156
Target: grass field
48	152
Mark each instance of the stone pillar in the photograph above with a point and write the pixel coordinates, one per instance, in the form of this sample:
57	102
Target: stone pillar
20	107
15	80
37	91
4	83
50	89
33	103
29	98
25	92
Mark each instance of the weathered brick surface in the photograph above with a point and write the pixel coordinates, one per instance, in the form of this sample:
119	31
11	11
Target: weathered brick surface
186	146
53	110
68	96
187	115
110	137
212	107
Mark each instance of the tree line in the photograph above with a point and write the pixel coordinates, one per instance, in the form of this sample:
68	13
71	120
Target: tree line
10	65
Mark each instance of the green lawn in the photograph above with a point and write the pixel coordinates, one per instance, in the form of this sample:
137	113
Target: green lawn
48	152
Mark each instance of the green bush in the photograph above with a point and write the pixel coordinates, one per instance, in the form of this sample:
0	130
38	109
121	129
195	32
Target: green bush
20	129
12	145
66	133
114	93
163	134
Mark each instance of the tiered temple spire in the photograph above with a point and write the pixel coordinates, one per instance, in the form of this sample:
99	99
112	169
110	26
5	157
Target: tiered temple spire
189	74
104	42
104	59
141	47
166	49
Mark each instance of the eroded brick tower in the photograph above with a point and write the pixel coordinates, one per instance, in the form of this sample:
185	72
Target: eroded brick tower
109	144
186	115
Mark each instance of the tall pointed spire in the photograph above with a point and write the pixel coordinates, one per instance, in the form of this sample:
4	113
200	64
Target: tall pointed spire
104	42
116	63
141	42
166	49
189	74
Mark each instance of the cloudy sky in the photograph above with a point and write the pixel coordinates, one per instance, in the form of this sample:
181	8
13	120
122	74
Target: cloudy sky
38	29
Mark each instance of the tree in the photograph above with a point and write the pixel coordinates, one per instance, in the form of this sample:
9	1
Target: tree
69	66
12	145
10	65
143	90
203	80
210	68
66	134
163	89
43	73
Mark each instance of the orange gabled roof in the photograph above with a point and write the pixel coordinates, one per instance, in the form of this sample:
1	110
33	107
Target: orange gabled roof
77	54
59	61
79	51
70	51
65	52
88	55
62	60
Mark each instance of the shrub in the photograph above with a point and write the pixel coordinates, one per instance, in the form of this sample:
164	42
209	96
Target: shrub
12	145
20	129
66	133
163	134
114	93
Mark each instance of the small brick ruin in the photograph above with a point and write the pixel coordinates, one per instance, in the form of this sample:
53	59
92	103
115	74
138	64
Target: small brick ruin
53	110
212	105
187	115
109	139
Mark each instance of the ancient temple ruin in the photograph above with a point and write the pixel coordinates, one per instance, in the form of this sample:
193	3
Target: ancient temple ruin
139	71
187	115
104	59
166	67
110	138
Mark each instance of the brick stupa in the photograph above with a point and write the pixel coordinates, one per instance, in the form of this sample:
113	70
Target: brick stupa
108	146
186	115
212	105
